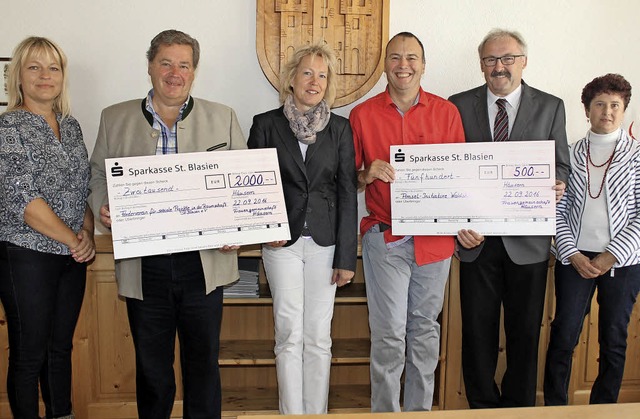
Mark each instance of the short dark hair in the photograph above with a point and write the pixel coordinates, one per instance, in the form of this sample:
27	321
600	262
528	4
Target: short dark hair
174	37
609	83
406	35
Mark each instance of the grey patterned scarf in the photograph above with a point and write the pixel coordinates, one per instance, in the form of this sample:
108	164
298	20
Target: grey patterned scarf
305	125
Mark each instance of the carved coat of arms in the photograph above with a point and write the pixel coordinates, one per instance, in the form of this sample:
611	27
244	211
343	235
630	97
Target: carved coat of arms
357	30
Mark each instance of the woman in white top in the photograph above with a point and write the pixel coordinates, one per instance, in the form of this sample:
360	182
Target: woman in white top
597	243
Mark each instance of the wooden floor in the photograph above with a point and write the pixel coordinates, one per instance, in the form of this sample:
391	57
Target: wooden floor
617	411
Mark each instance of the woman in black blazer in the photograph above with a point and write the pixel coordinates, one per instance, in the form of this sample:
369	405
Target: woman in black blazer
317	166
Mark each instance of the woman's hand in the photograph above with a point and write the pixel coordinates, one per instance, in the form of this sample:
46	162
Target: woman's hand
469	238
85	250
342	277
604	262
584	266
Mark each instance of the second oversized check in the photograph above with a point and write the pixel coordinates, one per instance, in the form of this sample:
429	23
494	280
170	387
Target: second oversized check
502	188
192	201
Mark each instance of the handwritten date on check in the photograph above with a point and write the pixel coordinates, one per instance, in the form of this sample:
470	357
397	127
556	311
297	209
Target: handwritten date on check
501	188
192	201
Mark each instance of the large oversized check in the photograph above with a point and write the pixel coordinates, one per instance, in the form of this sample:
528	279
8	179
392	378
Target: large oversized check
192	201
502	188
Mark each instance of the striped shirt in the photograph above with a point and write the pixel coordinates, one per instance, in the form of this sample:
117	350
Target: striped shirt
622	189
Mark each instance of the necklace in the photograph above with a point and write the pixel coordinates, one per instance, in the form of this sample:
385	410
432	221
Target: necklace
606	170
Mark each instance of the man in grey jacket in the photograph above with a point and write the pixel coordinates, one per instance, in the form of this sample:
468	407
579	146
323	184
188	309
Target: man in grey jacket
510	271
174	292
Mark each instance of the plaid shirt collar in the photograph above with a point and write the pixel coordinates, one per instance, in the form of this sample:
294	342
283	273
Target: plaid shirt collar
168	141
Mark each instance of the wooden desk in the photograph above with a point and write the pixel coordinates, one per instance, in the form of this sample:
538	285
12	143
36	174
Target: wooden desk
618	411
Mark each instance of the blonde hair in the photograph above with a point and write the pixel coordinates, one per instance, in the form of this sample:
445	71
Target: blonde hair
291	68
30	47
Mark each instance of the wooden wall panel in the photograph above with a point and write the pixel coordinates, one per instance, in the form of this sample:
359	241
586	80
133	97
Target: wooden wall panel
4	355
247	322
353	320
116	358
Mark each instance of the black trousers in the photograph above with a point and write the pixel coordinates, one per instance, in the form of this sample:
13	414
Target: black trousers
42	294
486	284
173	288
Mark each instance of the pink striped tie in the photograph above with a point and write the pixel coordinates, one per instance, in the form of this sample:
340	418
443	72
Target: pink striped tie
501	124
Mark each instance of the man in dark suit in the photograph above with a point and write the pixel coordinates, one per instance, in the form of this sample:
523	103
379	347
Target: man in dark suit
509	271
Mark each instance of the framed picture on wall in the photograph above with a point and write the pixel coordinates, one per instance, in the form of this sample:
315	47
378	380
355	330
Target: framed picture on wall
4	66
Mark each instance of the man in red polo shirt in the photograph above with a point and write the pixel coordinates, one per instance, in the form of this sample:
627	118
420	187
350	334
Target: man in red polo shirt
405	275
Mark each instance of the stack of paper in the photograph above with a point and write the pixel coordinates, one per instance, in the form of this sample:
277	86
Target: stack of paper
247	285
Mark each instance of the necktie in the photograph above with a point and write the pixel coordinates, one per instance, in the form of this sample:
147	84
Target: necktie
501	124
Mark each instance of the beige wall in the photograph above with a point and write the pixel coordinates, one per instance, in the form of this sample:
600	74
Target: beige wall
570	42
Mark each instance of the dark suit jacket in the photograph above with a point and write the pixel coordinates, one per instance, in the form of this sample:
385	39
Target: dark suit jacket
320	189
540	116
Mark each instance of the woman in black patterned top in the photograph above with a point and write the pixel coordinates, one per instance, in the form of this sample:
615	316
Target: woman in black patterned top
46	234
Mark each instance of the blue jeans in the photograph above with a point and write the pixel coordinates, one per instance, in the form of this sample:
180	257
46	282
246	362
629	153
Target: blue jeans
42	294
616	297
175	300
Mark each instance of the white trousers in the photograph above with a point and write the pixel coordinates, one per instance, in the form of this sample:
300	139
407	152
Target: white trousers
299	277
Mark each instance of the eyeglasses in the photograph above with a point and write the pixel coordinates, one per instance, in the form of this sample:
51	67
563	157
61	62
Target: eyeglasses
505	60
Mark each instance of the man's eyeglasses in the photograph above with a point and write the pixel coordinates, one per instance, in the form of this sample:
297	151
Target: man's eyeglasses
505	60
